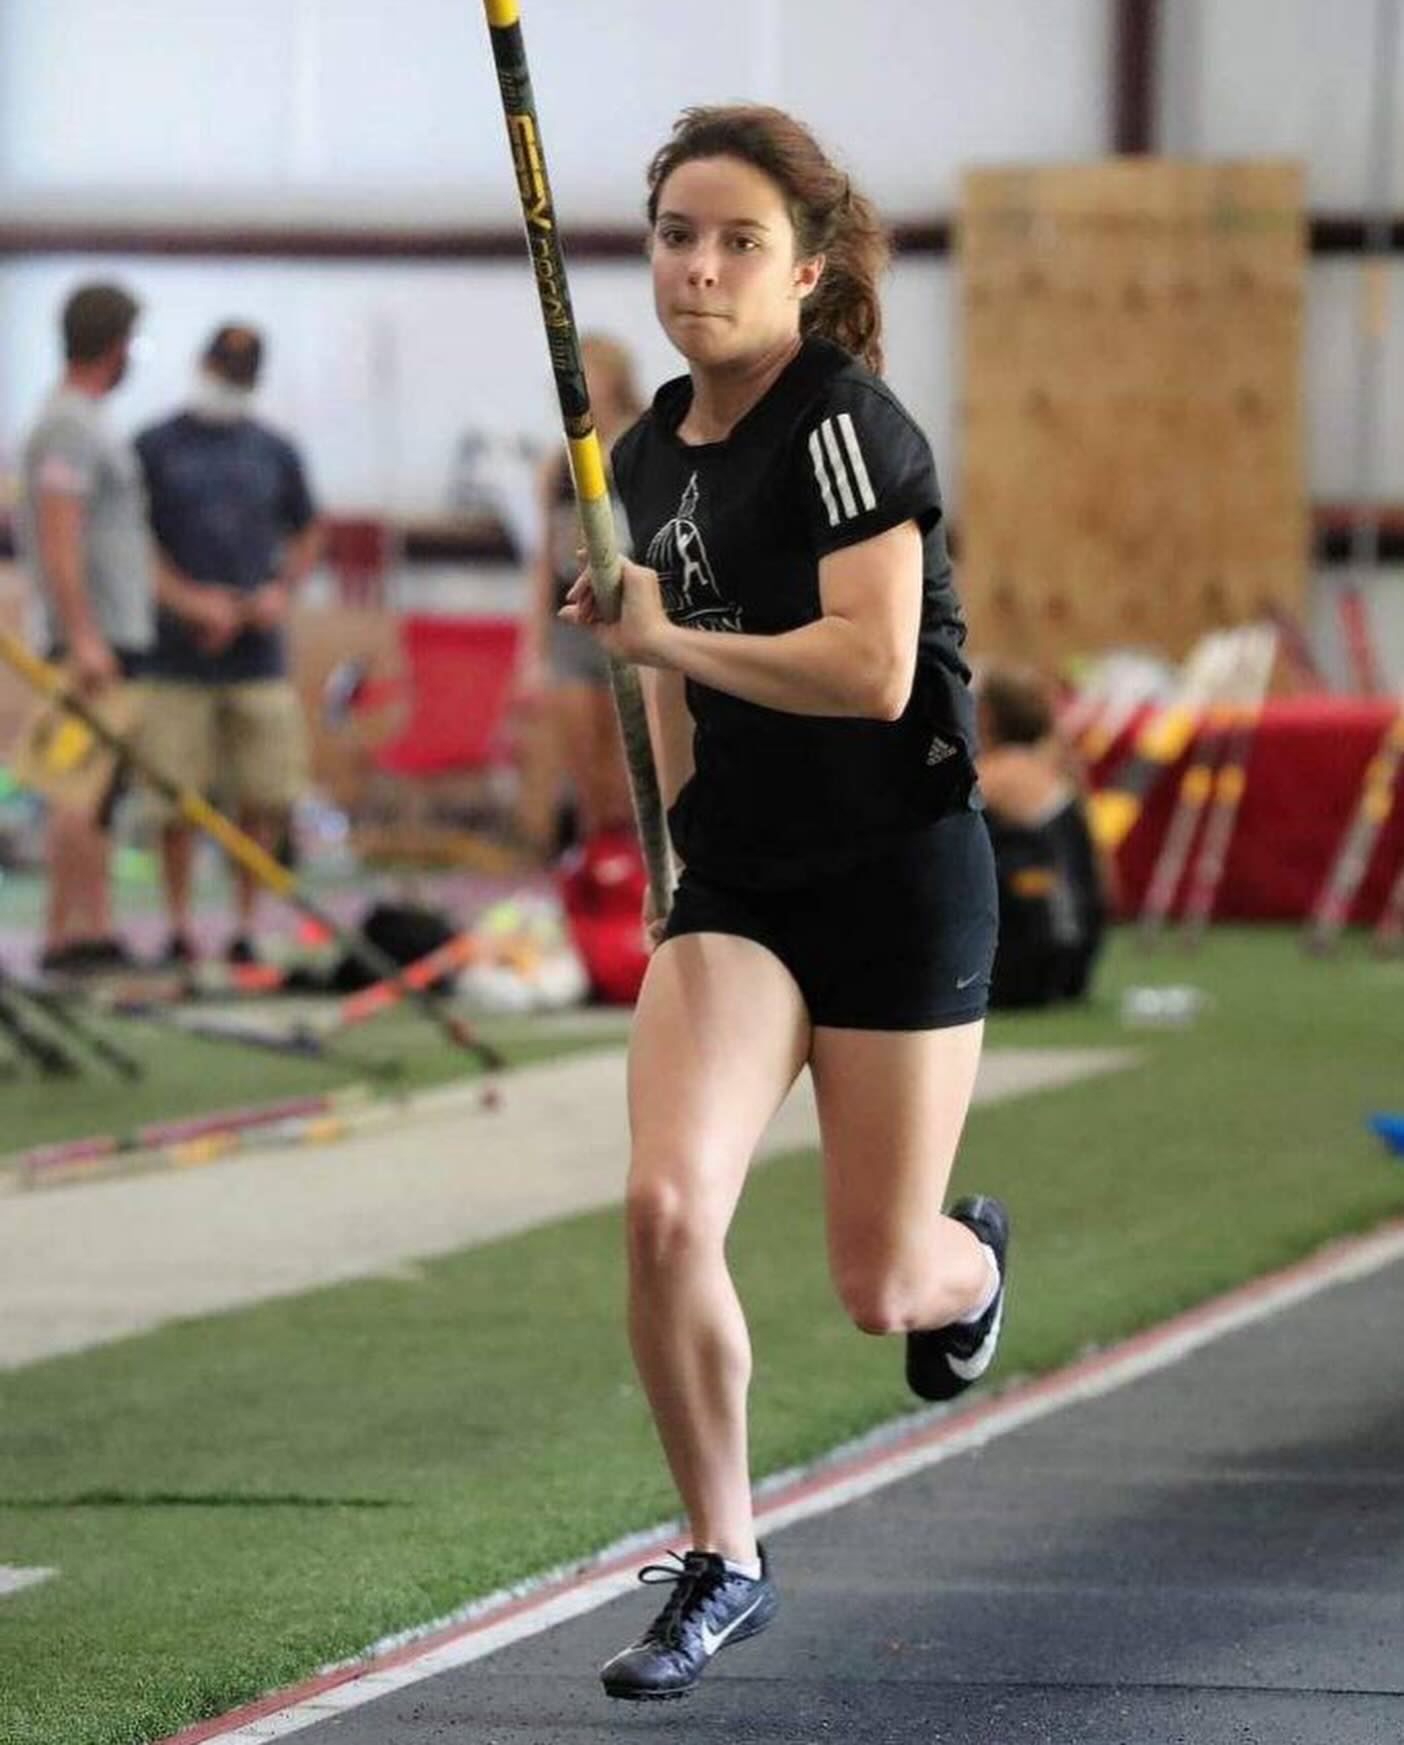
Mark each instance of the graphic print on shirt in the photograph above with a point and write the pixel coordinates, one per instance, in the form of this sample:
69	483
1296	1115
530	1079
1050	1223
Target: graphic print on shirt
690	592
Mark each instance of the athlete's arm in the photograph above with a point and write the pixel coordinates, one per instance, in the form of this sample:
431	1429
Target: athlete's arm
857	659
670	729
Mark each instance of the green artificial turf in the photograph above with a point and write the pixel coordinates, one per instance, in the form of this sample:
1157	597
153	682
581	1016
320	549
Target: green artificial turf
233	1502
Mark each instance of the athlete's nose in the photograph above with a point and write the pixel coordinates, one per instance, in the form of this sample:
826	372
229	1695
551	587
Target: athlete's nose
702	266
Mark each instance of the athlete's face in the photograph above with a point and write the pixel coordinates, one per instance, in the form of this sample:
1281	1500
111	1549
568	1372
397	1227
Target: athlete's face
726	283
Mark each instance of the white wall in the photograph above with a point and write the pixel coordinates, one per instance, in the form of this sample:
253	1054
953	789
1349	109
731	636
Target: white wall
354	109
1276	77
381	368
1294	77
1336	323
1382	596
283	109
290	106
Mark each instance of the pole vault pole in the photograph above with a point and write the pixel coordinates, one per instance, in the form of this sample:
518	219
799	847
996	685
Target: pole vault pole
252	856
586	462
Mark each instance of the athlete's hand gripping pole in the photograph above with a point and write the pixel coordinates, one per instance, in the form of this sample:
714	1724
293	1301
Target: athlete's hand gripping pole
586	461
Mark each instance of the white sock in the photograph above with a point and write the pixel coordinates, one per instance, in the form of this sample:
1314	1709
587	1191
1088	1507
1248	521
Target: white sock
750	1570
971	1316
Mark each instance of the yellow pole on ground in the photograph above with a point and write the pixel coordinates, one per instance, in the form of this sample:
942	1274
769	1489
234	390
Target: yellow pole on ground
50	682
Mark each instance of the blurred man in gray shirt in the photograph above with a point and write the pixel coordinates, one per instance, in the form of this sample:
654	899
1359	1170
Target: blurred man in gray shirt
83	535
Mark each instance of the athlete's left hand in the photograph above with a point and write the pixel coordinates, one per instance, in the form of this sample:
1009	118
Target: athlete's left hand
640	633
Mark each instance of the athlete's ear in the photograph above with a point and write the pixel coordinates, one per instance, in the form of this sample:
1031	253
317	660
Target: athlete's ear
808	274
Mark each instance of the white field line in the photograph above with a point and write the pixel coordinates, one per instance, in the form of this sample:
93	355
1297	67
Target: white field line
856	1470
12	1579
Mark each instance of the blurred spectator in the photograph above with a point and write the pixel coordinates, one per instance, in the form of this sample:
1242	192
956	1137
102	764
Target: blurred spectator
563	664
236	531
1052	910
82	534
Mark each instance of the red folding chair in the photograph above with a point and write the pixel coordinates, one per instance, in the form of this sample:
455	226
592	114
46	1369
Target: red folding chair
458	675
447	778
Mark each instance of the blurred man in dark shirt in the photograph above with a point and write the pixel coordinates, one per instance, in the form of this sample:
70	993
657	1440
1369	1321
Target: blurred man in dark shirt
236	530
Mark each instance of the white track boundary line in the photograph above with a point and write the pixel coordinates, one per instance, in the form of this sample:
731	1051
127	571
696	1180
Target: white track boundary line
13	1579
856	1470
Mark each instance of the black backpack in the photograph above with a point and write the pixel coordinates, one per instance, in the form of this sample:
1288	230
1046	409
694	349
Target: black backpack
405	932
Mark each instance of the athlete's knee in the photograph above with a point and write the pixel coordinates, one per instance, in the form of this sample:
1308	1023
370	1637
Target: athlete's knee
883	1297
875	1300
666	1220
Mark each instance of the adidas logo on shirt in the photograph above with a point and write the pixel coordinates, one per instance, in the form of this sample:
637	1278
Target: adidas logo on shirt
839	469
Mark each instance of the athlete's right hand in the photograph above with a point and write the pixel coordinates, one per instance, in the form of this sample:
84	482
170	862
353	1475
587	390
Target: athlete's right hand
641	631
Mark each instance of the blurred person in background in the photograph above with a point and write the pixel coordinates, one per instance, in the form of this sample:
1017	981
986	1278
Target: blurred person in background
83	537
1052	907
236	530
561	663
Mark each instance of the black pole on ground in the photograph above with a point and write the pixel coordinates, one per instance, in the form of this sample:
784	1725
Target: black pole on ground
55	1008
48	1055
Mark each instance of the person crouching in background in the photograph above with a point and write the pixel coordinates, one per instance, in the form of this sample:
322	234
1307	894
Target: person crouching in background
236	531
1052	907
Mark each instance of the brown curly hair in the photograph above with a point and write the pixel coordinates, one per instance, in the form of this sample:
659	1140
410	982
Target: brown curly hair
829	215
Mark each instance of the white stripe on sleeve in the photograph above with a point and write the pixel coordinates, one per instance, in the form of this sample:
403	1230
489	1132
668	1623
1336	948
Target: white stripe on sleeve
855	458
850	506
816	453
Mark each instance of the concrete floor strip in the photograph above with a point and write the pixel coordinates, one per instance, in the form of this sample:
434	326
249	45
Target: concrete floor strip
100	1260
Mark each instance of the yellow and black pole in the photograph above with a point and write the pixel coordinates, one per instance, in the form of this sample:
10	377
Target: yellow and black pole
586	461
196	810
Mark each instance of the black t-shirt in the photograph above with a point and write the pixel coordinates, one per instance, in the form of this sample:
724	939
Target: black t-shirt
736	530
223	497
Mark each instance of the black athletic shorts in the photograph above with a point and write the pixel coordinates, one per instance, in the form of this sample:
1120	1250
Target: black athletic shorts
903	941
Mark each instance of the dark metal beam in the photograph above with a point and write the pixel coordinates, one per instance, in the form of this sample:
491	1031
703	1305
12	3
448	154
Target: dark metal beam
311	242
1328	233
485	541
334	242
1134	72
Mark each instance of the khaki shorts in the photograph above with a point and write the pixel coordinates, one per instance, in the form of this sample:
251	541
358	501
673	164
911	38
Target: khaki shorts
61	758
241	745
